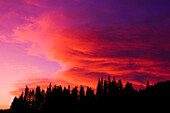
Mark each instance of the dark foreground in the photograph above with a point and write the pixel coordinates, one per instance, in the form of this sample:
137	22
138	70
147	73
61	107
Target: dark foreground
109	95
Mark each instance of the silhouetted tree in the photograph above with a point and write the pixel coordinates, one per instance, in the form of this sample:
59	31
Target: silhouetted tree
15	105
129	90
105	88
26	93
120	86
38	98
109	79
82	94
90	96
74	95
48	99
100	88
66	96
108	92
147	85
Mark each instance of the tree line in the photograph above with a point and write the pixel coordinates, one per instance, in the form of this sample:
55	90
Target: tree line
107	92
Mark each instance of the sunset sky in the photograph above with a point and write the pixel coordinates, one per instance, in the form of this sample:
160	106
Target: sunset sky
77	41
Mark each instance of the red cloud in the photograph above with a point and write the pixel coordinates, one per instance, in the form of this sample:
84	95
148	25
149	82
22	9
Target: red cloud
90	51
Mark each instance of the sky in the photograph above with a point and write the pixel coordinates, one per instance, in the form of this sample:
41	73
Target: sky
78	41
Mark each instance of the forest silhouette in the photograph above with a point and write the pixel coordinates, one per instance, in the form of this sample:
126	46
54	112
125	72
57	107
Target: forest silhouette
108	92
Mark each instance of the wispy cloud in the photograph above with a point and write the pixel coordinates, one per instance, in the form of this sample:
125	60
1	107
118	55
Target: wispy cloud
36	3
91	51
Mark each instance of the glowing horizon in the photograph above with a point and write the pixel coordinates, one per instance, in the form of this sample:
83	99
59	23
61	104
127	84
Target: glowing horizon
77	41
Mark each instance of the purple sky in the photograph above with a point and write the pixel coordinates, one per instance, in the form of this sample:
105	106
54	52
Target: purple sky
77	41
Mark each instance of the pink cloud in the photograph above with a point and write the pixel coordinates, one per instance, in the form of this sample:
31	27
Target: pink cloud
89	51
35	3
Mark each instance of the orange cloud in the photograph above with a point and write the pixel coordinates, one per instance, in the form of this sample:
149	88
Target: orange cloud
89	51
